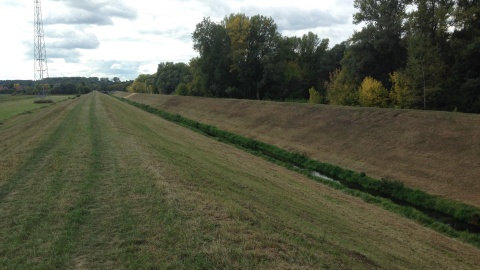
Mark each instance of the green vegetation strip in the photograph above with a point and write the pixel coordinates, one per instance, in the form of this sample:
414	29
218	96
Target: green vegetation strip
391	195
15	105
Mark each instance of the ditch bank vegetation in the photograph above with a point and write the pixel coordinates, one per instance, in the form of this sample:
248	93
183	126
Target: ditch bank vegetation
436	152
451	218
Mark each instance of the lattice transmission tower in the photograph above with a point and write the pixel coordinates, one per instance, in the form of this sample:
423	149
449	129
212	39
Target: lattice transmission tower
40	52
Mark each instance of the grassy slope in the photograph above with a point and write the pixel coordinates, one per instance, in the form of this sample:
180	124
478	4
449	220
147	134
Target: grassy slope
95	183
437	152
14	105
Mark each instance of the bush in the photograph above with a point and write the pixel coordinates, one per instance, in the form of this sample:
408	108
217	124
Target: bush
41	101
372	93
181	90
315	97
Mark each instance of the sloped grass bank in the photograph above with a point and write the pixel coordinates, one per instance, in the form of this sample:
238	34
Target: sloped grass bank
448	217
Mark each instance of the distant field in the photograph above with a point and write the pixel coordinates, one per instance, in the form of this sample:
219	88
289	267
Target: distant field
438	152
93	183
14	105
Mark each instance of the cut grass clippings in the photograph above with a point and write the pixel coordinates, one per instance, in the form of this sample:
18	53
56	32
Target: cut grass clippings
379	192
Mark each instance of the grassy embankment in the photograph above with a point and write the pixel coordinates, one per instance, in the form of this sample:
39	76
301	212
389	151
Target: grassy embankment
455	216
96	183
14	105
436	152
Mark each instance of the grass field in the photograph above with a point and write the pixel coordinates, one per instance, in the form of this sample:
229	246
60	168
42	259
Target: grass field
93	183
15	105
437	152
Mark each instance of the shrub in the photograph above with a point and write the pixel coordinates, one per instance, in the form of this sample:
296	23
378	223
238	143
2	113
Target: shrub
372	93
181	90
40	101
315	97
401	95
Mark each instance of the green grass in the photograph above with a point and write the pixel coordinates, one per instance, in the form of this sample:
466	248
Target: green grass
108	186
410	202
15	105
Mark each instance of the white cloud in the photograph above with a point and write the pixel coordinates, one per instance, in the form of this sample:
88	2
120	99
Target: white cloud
122	38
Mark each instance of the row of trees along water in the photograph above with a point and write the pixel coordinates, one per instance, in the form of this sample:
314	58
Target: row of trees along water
409	54
63	85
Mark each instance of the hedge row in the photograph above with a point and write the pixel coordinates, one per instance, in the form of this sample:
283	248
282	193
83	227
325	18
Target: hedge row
357	184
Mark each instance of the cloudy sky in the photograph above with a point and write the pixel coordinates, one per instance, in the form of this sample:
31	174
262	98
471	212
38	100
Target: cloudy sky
124	38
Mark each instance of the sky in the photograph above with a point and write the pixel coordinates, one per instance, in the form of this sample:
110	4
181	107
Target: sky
125	38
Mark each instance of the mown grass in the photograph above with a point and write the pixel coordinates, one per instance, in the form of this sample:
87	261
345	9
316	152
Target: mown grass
436	152
15	105
113	187
357	184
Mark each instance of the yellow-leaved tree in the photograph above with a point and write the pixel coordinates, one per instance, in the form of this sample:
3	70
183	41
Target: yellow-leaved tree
315	97
401	94
339	91
372	93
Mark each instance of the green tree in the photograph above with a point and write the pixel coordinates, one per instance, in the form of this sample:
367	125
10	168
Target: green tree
262	41
427	48
213	44
170	75
144	83
425	67
339	91
401	94
464	81
311	52
377	49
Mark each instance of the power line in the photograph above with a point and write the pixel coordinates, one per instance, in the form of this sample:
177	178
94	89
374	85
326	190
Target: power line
40	52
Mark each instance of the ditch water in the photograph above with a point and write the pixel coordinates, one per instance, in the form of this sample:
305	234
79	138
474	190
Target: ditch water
448	220
472	227
324	177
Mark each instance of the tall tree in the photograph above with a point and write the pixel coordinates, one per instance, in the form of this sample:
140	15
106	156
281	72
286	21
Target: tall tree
377	49
170	75
427	46
465	48
213	44
311	52
262	41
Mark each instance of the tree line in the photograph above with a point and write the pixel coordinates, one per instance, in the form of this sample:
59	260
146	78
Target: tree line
63	85
409	54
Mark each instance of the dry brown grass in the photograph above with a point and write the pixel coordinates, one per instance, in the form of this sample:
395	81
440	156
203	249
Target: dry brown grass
438	152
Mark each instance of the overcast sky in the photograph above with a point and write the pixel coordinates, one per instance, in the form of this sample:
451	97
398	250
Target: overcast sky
125	38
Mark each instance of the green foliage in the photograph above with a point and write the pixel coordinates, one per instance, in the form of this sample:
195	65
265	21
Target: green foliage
182	90
372	93
315	97
144	83
170	75
42	101
340	92
425	66
401	94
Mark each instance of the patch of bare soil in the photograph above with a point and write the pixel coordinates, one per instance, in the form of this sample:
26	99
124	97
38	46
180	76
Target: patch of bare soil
438	152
